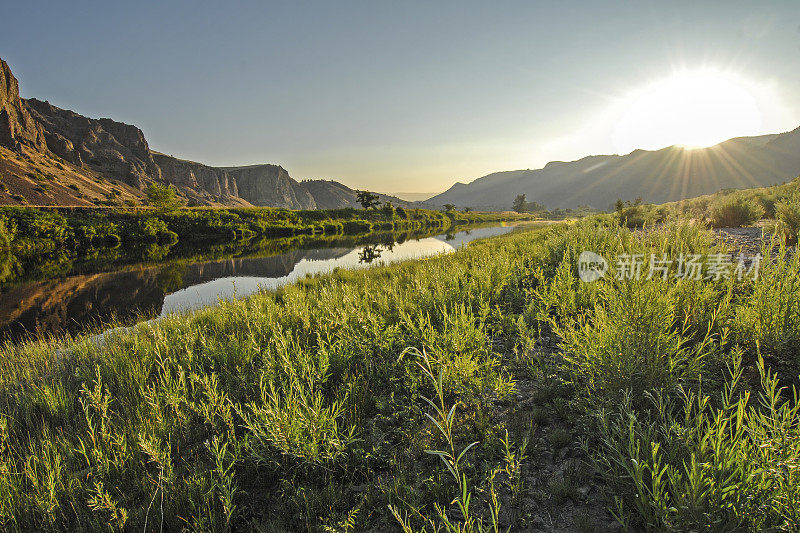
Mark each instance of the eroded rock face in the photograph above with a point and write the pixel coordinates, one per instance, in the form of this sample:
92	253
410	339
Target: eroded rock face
17	127
112	148
270	185
196	176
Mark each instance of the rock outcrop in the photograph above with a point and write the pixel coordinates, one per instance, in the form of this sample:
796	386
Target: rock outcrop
330	194
270	185
111	148
196	176
17	127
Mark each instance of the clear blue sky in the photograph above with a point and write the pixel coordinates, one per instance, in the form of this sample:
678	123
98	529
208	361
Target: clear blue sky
392	96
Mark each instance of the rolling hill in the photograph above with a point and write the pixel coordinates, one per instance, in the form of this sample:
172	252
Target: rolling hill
658	176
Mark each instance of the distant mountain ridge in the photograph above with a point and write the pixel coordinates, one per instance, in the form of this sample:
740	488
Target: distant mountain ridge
657	176
53	156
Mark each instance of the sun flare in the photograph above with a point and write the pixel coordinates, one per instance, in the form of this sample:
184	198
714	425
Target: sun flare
694	110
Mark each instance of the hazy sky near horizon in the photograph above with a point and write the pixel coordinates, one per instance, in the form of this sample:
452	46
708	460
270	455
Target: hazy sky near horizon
393	96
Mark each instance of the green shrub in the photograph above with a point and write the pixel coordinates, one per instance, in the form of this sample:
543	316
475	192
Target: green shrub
768	320
6	235
637	216
631	342
787	212
155	230
735	210
688	465
161	197
768	202
353	227
332	228
98	234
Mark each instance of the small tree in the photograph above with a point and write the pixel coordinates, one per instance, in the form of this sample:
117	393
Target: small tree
449	207
162	197
368	200
467	209
520	203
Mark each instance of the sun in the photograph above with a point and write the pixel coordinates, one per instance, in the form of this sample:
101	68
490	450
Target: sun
692	109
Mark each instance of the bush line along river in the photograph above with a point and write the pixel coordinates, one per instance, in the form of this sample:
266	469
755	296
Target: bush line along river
88	297
63	269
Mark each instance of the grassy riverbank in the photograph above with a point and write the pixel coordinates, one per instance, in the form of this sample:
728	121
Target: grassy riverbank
71	261
37	243
313	408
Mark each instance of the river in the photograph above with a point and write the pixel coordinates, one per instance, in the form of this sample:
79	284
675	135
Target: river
91	301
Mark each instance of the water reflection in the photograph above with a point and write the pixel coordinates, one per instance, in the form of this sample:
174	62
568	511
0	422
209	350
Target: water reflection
74	302
368	254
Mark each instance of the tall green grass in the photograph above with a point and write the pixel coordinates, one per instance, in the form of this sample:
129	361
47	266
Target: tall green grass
262	411
293	410
692	463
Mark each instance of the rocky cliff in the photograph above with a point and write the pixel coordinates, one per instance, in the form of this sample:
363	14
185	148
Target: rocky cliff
198	181
270	185
104	162
17	127
111	148
331	194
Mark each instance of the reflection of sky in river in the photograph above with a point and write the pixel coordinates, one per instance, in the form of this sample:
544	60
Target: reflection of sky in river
204	294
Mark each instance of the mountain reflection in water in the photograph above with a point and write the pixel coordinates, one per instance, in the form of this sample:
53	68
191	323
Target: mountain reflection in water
75	303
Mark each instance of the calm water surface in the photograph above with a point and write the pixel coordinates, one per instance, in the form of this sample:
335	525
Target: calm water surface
74	303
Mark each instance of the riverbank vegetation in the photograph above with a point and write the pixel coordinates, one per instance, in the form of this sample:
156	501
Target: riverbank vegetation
16	268
779	205
522	205
70	292
42	242
482	390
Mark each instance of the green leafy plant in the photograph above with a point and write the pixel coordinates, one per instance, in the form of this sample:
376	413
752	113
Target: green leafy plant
787	212
444	421
693	465
735	210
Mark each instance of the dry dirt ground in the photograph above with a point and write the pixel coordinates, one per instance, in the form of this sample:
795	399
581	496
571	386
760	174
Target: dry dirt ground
559	491
746	240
